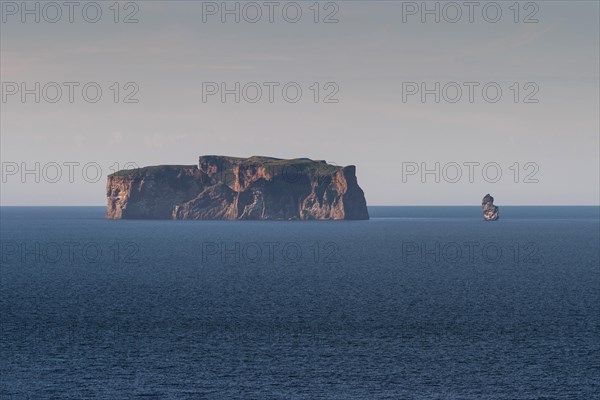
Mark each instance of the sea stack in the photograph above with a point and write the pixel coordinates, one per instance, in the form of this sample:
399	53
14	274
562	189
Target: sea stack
231	188
490	211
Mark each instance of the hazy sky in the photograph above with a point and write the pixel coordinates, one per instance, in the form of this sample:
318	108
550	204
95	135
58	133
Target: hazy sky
376	53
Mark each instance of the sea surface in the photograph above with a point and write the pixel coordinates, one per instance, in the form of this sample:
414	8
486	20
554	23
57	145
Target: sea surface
416	303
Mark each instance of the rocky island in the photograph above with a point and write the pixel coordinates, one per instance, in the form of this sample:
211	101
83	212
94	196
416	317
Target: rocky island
231	188
490	211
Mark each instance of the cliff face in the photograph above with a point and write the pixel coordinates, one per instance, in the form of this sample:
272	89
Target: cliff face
259	188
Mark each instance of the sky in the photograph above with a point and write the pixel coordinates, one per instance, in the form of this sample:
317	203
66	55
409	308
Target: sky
368	74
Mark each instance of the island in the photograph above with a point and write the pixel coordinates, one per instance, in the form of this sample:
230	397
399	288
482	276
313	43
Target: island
232	188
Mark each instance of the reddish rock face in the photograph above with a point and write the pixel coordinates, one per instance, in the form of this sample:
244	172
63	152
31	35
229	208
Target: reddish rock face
258	188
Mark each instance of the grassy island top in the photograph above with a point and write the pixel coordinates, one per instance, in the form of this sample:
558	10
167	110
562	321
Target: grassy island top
225	163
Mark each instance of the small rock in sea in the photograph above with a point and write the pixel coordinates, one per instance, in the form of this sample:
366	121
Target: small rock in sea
490	211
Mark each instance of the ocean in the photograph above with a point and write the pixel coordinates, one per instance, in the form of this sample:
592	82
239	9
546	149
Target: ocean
416	303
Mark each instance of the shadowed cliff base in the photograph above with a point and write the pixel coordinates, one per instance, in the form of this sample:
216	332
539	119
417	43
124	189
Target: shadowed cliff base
231	188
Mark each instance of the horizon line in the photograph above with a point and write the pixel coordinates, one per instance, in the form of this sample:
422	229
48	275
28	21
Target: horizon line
372	205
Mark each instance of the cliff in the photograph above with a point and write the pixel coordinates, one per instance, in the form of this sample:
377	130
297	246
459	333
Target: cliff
219	187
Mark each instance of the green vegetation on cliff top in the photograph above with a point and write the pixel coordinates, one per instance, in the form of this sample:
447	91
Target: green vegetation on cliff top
296	165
